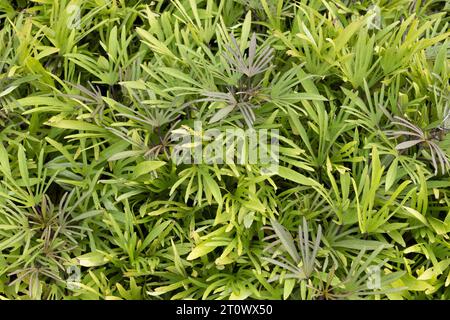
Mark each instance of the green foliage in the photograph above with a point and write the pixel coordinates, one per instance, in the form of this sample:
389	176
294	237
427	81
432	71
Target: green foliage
92	205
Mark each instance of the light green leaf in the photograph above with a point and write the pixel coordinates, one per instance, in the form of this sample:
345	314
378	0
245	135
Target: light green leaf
146	167
92	259
294	176
23	168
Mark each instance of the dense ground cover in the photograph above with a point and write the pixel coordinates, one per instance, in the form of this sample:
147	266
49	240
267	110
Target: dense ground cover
92	205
